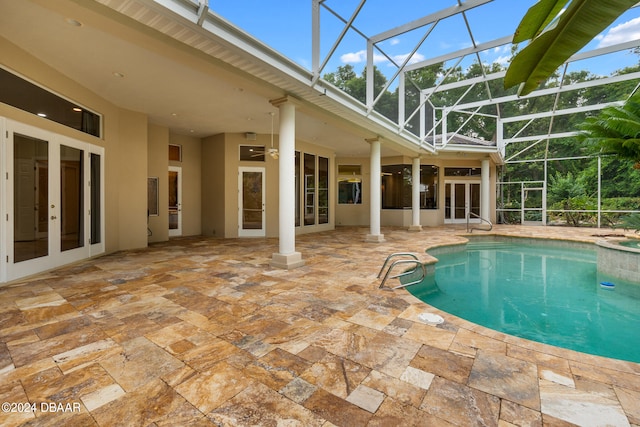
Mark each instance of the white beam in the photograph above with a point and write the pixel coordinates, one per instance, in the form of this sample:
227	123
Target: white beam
540	137
426	20
562	112
551	91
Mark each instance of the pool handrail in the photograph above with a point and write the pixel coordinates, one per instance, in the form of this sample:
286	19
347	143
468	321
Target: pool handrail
470	229
414	261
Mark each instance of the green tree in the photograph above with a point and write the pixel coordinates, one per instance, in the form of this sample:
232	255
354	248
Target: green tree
568	193
345	78
616	130
341	77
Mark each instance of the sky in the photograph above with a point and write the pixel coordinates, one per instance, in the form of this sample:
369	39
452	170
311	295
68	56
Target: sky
285	25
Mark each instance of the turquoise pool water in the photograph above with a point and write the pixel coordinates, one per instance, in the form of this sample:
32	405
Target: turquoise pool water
543	293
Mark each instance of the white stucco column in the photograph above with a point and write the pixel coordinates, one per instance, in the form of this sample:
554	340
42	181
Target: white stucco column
374	212
287	257
485	190
415	195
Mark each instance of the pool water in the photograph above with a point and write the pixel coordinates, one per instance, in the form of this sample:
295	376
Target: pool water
544	293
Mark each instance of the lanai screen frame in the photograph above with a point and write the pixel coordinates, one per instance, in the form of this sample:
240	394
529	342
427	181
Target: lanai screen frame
433	133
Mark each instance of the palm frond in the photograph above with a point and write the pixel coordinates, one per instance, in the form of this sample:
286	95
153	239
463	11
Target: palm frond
576	26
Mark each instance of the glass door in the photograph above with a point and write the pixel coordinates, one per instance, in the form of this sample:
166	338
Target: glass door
47	201
71	198
251	200
175	201
462	198
30	198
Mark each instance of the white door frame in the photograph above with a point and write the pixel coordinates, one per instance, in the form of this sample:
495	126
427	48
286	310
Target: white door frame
9	269
250	232
524	208
467	201
177	231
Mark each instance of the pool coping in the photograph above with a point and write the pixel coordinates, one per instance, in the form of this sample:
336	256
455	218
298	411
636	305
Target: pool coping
550	349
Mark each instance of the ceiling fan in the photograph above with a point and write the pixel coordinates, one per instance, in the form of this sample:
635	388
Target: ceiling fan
272	151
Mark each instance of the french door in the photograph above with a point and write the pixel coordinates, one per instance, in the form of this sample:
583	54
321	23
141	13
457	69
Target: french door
462	198
251	200
52	201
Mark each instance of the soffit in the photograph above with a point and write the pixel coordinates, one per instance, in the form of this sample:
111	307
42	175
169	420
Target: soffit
200	88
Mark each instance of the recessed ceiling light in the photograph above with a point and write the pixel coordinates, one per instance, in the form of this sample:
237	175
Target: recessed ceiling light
42	114
74	22
118	74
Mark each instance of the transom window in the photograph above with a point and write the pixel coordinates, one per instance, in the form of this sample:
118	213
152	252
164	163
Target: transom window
252	153
22	94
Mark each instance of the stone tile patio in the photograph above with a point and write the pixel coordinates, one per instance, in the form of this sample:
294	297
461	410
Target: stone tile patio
203	332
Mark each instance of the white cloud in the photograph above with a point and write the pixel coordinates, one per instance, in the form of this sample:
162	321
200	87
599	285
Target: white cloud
417	57
394	42
498	50
361	56
354	57
503	60
626	31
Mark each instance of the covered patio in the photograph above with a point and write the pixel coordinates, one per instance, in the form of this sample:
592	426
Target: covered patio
202	331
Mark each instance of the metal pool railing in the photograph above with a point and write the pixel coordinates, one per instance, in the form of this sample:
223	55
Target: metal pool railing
414	261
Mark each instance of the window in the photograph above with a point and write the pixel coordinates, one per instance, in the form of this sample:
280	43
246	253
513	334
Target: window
29	97
462	171
323	190
297	179
312	189
175	152
349	185
252	153
153	208
96	196
309	189
428	187
397	187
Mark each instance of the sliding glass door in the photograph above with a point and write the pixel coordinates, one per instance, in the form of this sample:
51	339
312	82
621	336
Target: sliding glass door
53	212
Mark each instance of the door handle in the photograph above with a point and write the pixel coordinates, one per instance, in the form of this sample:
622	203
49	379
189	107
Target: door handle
53	217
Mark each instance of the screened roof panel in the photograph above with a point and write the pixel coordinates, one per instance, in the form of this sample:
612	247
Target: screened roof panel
439	64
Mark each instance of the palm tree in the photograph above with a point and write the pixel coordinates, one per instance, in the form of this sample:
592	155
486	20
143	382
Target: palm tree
616	130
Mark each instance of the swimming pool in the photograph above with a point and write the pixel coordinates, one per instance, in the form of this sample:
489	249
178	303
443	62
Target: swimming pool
538	291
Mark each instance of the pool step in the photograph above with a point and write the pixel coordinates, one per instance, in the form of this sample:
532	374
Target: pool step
478	246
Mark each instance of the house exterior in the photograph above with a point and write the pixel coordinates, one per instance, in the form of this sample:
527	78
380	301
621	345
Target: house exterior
125	123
